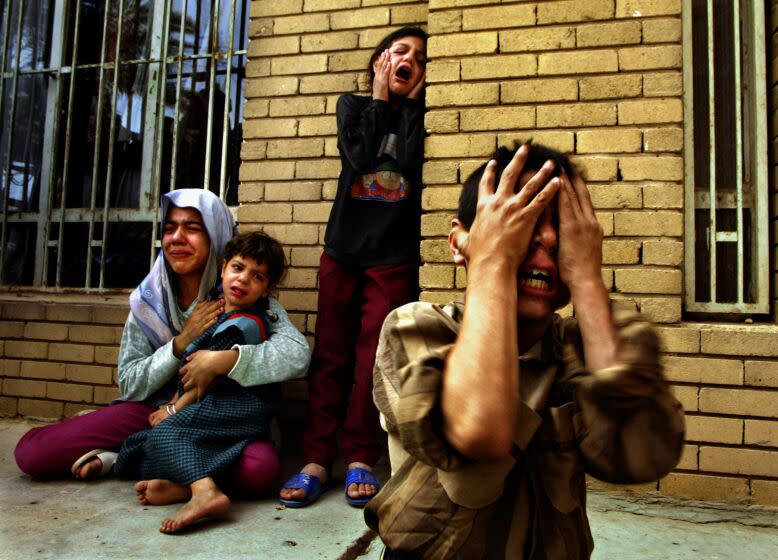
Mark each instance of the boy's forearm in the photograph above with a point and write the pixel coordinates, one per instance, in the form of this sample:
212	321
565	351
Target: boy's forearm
593	311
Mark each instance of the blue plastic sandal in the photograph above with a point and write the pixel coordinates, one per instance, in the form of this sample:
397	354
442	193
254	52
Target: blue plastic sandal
359	475
308	482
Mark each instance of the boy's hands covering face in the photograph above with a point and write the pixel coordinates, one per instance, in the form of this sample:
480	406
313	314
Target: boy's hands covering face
580	235
505	221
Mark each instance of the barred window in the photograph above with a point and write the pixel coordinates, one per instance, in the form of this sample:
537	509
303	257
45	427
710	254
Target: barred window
104	106
727	206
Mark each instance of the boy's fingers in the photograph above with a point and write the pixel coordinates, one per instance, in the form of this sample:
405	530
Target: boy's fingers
536	183
545	196
512	172
486	185
584	198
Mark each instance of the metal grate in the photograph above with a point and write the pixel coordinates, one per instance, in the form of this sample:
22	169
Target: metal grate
105	105
726	210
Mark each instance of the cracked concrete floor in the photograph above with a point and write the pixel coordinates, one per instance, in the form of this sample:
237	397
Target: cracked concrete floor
71	520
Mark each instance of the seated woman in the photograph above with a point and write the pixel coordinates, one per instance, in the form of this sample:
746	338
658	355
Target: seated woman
167	312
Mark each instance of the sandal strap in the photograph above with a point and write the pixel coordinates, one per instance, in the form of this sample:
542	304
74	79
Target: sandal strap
302	481
359	475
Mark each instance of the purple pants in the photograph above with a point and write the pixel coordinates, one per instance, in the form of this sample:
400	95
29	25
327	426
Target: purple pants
50	451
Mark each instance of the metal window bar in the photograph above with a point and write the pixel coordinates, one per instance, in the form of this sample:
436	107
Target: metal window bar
154	109
750	80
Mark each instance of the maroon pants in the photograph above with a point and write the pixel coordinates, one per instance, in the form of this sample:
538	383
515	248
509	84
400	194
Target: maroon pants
353	303
50	451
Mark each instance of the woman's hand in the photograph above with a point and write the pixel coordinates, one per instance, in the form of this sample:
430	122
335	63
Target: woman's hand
204	366
203	316
382	67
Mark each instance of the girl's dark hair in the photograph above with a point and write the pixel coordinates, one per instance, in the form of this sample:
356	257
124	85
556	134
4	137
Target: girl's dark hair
538	155
387	41
261	248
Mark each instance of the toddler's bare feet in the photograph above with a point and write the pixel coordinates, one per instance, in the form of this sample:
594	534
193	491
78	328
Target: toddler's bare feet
206	502
160	492
298	494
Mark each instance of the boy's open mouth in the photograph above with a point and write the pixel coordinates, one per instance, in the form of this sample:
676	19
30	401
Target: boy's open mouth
536	279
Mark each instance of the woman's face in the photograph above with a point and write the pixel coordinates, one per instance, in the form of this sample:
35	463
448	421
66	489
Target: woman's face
185	241
409	59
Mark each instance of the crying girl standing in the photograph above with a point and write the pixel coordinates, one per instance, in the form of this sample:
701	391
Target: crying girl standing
369	265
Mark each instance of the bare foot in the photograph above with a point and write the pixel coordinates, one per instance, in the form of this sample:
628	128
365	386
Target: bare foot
90	469
207	502
160	492
298	494
356	491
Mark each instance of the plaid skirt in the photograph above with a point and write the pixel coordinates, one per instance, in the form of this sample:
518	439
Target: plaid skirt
204	439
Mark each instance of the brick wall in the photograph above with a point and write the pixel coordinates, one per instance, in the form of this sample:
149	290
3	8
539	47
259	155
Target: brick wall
598	78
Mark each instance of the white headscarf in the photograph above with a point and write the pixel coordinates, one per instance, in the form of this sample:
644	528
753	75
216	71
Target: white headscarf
153	302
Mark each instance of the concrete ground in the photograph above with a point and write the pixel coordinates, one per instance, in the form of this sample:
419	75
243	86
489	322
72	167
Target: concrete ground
72	520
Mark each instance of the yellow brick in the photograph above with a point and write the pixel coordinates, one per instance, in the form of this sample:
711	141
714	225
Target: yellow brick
680	339
595	168
298	148
94	334
71	352
276	8
436	276
717	371
647	8
300	278
687	395
650	58
497	118
271	87
619	251
520	15
459	145
500	66
538	90
45	331
24	388
33	408
462	44
659	223
310	190
270	128
737	341
761	373
704	487
663	252
612	33
304	23
442	71
270	46
652	111
293	65
661	309
13	329
317	126
253	150
327	5
26	349
317	169
578	62
331	146
610	87
343	61
663	140
765	492
663	196
114	315
762	433
463	94
461	278
43	370
329	189
9	407
445	22
107	355
618	140
662	30
256	108
435	250
267	171
258	68
312	212
305	256
328	83
81	373
360	19
648	281
294	234
265	213
688	458
561	141
440	172
657	168
469	166
440	198
664	84
714	430
69	392
440	297
104	395
260	27
574	10
739	461
739	402
441	4
615	195
299	300
340	41
69	313
576	114
409	14
437	224
12	368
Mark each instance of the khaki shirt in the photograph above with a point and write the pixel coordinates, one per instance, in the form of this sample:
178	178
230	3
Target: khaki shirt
620	424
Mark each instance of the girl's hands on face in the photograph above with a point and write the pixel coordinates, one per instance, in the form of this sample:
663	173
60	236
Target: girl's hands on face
382	68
